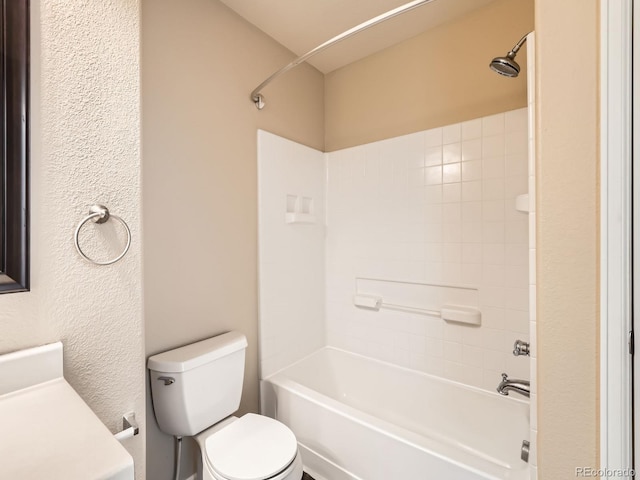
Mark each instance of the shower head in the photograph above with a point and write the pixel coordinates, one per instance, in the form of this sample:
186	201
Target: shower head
507	65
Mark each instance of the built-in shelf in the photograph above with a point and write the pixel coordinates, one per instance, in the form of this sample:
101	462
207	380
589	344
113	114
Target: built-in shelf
299	210
299	218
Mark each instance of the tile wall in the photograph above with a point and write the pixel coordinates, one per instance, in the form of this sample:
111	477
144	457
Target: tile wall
434	207
291	230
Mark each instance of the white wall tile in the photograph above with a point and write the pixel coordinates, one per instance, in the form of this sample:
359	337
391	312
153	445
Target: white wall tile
471	170
516	143
471	150
433	194
493	232
451	192
516	165
433	156
451	153
493	253
433	175
493	189
493	210
471	274
493	167
472	232
446	215
471	211
451	133
471	253
516	121
493	125
471	191
451	173
452	212
432	138
493	146
471	129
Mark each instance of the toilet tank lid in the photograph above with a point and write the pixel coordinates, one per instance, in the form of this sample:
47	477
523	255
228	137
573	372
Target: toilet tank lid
197	354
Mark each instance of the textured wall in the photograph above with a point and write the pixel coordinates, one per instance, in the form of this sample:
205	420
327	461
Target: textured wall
436	78
567	166
85	148
200	62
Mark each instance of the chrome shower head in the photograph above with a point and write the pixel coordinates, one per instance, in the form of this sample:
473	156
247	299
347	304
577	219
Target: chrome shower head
507	65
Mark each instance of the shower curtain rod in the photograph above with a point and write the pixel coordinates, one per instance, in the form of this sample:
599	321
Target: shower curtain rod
258	98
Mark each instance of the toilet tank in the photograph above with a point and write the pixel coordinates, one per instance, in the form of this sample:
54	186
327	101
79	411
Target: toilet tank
196	386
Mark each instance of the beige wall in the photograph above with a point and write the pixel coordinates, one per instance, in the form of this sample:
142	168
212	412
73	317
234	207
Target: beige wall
436	78
567	195
85	149
200	62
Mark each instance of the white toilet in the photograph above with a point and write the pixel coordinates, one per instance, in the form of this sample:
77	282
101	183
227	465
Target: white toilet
196	388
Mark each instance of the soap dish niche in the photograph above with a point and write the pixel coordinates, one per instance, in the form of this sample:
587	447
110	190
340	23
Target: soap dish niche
299	209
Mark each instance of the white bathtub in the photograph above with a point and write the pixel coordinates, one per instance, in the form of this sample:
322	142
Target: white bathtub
359	418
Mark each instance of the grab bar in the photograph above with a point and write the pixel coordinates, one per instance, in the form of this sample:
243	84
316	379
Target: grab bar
449	313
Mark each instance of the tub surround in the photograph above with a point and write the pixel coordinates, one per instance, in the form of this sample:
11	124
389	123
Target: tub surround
413	224
291	180
435	207
423	220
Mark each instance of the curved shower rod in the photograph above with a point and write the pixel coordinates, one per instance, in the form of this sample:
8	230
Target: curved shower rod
257	97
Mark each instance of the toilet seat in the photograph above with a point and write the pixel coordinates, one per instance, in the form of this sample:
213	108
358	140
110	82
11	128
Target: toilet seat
253	447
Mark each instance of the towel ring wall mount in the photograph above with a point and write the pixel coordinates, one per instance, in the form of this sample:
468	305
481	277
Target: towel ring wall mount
100	214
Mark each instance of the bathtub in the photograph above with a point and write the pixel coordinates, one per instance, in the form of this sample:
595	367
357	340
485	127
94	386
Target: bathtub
359	418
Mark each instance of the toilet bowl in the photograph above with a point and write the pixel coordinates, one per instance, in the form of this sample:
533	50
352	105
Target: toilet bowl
196	389
252	447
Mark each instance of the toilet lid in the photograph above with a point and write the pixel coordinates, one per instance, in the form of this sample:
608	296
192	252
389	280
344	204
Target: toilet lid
251	448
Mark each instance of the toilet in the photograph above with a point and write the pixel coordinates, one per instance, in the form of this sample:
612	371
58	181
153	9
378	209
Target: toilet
196	389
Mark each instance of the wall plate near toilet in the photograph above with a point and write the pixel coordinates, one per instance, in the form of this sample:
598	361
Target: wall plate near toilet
48	431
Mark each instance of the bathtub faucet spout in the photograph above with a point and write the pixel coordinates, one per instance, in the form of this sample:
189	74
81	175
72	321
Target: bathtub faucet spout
508	385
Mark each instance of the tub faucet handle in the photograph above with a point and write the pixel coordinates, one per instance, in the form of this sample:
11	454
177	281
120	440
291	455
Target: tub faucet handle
521	348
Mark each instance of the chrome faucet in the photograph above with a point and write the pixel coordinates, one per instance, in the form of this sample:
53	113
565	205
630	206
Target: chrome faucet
518	386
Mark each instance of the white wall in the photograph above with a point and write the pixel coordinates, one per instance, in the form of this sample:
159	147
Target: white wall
85	148
435	207
291	255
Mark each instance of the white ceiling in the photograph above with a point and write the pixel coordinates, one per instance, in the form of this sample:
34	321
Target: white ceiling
301	25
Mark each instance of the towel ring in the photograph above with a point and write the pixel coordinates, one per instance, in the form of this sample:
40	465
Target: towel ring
100	214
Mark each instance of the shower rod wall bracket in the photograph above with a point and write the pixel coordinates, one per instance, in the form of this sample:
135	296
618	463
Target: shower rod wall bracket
258	99
256	96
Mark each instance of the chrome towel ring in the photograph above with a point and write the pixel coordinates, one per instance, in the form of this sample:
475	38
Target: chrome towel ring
100	214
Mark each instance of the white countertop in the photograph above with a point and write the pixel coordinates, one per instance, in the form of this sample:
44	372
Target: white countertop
48	432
